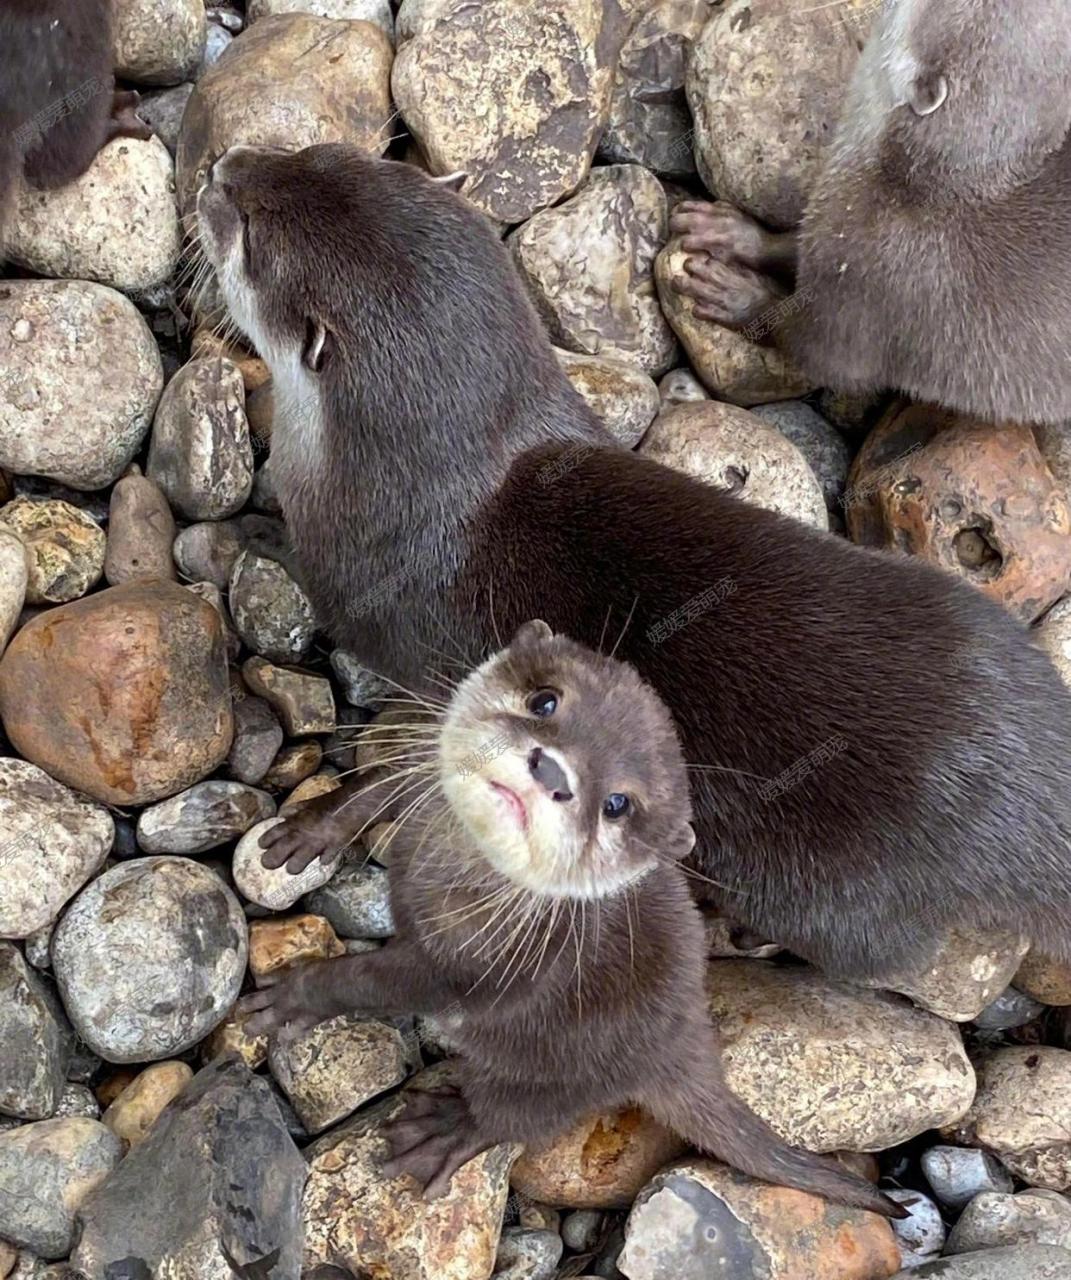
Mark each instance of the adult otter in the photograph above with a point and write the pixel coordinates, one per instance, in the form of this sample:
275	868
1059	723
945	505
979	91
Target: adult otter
538	897
935	252
873	740
58	101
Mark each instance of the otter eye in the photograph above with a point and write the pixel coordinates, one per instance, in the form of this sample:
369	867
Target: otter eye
616	805
544	703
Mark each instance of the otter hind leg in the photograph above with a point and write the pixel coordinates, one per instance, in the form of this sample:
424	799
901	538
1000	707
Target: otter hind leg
730	295
124	122
432	1138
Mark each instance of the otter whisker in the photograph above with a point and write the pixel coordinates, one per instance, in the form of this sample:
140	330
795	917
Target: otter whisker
613	651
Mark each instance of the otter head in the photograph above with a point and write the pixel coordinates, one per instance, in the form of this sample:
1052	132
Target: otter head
565	768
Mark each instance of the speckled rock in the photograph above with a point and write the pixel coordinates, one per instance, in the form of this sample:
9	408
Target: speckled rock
46	1171
338	1066
1045	978
35	1041
621	395
582	1229
232	1037
588	265
730	365
189	936
831	1066
212	1192
133	1113
356	1217
511	93
1019	1113
162	111
303	700
8	1258
356	901
276	889
1031	1217
698	1218
600	1162
78	1100
292	940
294	763
290	80
766	87
360	687
958	1174
1010	1009
680	386
821	444
14	574
204	816
258	735
318	785
122	695
73	351
158	41
1028	1262
273	615
732	449
200	453
64	548
116	224
921	1236
376	11
528	1254
206	552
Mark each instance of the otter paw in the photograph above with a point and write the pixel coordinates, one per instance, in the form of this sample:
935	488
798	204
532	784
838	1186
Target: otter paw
300	838
124	122
432	1138
720	230
287	1005
729	296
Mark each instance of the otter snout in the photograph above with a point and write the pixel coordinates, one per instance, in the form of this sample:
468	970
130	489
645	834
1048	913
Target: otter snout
549	774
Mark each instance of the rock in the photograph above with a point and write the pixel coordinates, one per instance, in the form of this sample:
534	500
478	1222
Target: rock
77	1100
303	701
731	366
1009	1010
766	88
35	947
122	695
527	1254
290	80
14	574
294	763
117	224
512	94
211	594
588	263
35	1041
1045	978
1031	1262
735	451
73	351
360	687
136	1109
376	11
200	453
582	1229
356	1217
280	943
162	111
46	1171
64	548
958	1174
1019	1113
993	1219
158	41
831	1066
620	394
356	901
8	1258
922	1235
218	41
974	498
258	735
231	1037
272	613
821	444
318	785
598	1163
535	1216
212	1192
207	552
338	1066
698	1219
276	889
681	386
203	817
188	934
51	842
141	531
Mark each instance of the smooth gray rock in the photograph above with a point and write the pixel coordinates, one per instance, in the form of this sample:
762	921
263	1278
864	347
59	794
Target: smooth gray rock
958	1174
922	1236
35	1041
207	551
258	735
993	1219
360	687
1010	1009
1033	1262
581	1229
356	902
819	442
203	817
526	1254
162	111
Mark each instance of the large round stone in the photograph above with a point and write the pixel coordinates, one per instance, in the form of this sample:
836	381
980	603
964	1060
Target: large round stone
158	41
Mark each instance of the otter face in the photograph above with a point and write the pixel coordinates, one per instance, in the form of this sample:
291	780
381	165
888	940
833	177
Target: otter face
565	768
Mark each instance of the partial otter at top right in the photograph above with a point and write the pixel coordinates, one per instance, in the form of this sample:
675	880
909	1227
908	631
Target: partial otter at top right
934	257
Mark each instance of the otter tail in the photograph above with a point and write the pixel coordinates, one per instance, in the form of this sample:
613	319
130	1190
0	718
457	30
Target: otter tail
709	1115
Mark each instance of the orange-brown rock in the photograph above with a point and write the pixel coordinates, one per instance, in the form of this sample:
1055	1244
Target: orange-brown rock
232	1037
122	695
975	498
276	944
599	1163
1046	978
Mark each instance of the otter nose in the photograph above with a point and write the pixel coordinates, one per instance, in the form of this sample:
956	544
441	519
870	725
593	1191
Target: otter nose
549	774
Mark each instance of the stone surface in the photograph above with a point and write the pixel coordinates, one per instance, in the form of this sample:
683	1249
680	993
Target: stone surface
292	940
831	1066
819	441
134	1112
1010	1009
149	958
511	93
64	548
294	763
303	700
377	11
1020	1113
582	1229
731	366
203	817
231	1037
588	266
78	1100
122	695
141	531
162	111
733	450
974	498
273	615
214	1191
600	1162
206	552
14	575
1031	1262
360	687
992	1220
680	386
958	1174
1045	978
527	1254
921	1236
698	1219
158	41
258	735
46	1171
200	454
51	842
35	1041
116	224
356	901
276	889
73	351
620	394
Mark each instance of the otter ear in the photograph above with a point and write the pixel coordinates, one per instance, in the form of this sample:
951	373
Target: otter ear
680	843
531	633
317	347
452	181
927	93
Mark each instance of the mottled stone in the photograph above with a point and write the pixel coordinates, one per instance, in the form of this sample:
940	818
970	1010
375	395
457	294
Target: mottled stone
1045	978
276	889
273	615
258	735
356	901
64	548
232	1037
206	552
1010	1009
619	393
819	441
158	41
14	575
1029	1262
78	1100
318	785
360	687
203	817
681	386
527	1254
293	940
35	1041
993	1219
141	531
162	111
133	1113
922	1235
294	763
303	700
376	11
582	1229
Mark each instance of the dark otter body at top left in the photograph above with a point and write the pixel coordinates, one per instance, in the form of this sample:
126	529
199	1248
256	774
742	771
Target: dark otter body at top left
58	101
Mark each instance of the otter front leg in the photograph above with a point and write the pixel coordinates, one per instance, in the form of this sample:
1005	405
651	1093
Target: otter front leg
724	233
123	122
325	826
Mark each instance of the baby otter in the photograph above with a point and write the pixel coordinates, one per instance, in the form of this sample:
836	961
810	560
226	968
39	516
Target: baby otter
58	101
935	253
538	895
